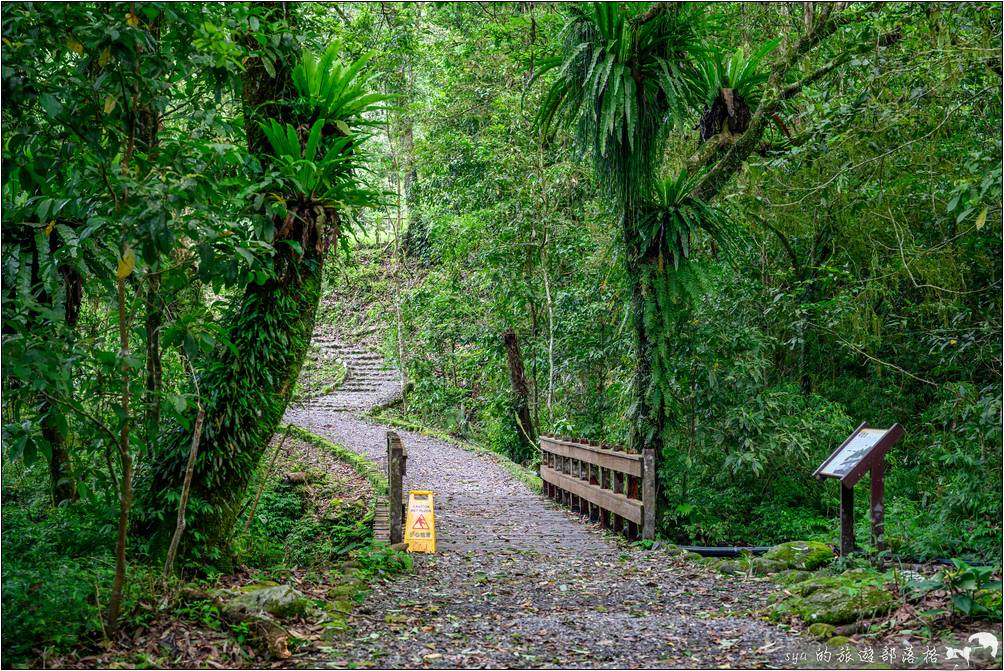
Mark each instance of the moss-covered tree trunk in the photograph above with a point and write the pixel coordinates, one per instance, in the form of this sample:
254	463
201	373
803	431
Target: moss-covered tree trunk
246	391
248	384
655	321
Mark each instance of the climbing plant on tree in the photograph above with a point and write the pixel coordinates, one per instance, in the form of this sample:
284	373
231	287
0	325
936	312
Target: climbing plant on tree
310	147
625	80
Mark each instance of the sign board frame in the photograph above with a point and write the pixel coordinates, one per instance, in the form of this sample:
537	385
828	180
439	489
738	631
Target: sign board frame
865	463
873	460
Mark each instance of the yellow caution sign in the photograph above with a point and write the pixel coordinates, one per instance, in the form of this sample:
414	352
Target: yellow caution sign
420	527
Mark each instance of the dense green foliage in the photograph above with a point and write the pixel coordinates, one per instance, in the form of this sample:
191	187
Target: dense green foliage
863	282
728	232
162	258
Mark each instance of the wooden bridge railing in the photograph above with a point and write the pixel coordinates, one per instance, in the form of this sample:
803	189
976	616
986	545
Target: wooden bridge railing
611	486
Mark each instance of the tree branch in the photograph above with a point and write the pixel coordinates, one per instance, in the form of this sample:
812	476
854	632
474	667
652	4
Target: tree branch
789	250
727	156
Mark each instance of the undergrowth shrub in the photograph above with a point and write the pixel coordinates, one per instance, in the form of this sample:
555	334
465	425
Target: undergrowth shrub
57	566
288	530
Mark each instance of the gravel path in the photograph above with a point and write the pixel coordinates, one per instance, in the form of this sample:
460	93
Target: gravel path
519	582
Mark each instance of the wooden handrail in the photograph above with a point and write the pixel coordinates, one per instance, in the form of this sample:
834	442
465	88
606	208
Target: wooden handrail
612	487
618	504
622	462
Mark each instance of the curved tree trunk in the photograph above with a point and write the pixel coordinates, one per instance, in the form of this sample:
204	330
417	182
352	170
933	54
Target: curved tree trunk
521	398
247	387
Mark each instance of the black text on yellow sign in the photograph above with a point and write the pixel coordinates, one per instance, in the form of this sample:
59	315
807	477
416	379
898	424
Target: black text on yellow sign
420	527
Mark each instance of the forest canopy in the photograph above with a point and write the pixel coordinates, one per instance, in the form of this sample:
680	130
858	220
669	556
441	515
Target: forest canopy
727	232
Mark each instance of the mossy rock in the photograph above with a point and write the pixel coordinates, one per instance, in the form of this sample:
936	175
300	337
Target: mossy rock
341	606
672	550
835	600
280	601
837	642
991	599
335	627
847	582
761	566
730	567
802	555
791	576
345	590
821	630
866	574
775	597
692	556
254	587
710	562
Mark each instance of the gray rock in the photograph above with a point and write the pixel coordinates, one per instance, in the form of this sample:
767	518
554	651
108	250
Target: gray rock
763	566
280	601
730	567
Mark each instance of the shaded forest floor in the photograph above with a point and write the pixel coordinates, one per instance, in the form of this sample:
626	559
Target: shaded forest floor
308	519
517	581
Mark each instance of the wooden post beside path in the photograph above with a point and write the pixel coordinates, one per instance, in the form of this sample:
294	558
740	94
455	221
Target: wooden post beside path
396	459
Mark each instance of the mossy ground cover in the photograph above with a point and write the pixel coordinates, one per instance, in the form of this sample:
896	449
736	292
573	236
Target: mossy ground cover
857	598
310	535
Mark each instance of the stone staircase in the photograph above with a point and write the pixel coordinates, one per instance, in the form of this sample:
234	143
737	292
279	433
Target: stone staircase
367	382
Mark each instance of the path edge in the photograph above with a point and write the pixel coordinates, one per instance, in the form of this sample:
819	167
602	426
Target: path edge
366	468
525	475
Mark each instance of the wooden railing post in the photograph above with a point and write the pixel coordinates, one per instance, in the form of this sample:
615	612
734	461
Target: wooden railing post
396	459
648	476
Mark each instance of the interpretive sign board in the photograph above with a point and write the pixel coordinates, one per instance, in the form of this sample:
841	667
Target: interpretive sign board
862	452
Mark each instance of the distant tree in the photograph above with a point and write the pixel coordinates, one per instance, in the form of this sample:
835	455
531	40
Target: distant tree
626	77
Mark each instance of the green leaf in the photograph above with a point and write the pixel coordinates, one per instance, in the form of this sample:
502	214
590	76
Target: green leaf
50	104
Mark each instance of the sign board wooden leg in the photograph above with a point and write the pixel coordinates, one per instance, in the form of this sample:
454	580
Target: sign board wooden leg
878	505
846	520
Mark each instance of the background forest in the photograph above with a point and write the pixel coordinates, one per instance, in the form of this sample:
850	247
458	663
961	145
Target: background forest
182	183
865	287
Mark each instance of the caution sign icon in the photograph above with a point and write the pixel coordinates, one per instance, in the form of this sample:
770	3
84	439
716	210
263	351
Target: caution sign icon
420	526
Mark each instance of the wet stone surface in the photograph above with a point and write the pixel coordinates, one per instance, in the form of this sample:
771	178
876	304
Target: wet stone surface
520	582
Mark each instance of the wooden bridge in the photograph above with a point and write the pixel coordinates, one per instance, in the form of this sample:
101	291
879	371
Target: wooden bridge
603	483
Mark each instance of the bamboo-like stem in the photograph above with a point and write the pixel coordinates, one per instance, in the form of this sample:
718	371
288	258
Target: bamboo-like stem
125	495
264	479
179	529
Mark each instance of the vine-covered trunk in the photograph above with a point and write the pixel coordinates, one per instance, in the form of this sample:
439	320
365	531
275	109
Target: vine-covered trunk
655	312
248	383
246	389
